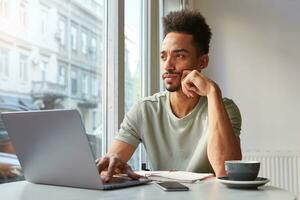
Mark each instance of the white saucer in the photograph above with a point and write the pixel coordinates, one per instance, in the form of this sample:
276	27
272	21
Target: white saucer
259	181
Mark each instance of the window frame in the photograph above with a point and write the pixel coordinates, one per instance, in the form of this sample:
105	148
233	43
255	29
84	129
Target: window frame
115	59
23	67
4	59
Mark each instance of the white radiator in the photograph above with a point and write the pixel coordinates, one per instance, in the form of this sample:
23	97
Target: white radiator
281	167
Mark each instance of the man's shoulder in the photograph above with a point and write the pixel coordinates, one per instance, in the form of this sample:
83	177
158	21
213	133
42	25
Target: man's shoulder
228	101
155	98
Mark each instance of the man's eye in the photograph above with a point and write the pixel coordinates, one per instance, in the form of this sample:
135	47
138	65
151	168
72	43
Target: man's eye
162	57
180	56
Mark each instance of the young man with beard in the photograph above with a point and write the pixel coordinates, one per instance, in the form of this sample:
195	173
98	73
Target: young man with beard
189	127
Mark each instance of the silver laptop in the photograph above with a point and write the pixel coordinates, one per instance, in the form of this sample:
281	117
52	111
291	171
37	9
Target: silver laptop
52	148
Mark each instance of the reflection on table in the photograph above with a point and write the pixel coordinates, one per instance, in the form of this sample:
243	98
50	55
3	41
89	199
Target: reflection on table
208	189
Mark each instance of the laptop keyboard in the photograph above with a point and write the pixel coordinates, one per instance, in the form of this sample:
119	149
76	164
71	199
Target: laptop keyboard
120	182
115	180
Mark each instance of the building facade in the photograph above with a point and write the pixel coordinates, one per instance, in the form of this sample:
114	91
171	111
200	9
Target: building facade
51	56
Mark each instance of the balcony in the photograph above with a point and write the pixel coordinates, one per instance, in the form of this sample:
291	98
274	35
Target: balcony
88	101
48	90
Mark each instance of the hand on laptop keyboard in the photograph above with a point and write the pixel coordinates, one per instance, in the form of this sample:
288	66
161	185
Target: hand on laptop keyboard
114	165
8	171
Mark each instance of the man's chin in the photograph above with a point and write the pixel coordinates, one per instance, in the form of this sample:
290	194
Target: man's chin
173	88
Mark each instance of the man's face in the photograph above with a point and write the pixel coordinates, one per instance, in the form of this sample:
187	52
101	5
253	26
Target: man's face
178	53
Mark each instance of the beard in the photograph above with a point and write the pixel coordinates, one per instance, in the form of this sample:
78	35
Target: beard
171	87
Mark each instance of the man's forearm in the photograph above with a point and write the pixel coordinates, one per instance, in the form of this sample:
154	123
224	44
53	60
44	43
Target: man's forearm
222	142
122	149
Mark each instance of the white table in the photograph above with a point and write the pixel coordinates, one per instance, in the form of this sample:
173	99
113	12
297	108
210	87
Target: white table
210	189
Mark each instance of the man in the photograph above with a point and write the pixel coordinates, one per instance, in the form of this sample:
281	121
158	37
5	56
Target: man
6	171
189	127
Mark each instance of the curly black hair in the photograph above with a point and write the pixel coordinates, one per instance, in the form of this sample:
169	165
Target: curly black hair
189	22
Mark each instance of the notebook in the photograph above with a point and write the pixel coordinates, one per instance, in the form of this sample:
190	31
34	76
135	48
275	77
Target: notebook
52	148
178	176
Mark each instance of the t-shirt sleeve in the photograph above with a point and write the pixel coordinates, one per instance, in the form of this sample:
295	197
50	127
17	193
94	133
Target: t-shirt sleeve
129	131
234	115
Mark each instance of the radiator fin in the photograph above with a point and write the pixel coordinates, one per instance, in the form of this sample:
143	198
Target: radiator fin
281	167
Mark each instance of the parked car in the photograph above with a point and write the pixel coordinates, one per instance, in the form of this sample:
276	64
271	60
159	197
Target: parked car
5	144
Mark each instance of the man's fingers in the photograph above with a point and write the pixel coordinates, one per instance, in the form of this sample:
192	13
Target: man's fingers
102	163
185	73
114	165
132	175
188	88
111	168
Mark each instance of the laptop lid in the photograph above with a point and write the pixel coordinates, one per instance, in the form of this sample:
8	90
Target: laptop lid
52	148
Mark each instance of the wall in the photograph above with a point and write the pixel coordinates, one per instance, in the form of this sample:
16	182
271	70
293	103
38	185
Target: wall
255	59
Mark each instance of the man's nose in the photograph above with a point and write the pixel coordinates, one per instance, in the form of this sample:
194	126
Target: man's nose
168	64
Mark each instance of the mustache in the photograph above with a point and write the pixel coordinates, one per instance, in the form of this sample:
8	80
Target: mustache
168	72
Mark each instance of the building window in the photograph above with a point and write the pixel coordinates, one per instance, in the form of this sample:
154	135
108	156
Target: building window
62	31
74	37
62	74
83	43
94	88
74	82
44	20
3	8
93	47
4	69
48	67
23	68
23	15
44	68
94	120
85	85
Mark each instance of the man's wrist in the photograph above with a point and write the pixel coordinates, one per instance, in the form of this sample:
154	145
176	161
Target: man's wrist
214	91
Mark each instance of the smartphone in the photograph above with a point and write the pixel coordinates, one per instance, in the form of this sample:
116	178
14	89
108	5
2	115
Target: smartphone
172	186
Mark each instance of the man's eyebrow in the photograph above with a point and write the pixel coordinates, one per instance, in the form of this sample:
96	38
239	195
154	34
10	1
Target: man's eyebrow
176	51
180	50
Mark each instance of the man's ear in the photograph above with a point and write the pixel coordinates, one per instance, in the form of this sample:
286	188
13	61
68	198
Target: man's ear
203	61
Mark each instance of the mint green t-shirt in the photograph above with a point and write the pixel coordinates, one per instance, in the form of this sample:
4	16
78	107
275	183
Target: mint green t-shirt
173	143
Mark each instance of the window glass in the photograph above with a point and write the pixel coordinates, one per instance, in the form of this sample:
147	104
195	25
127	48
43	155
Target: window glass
62	76
74	37
62	30
74	82
4	62
83	43
44	21
3	8
23	14
133	75
93	47
55	77
23	68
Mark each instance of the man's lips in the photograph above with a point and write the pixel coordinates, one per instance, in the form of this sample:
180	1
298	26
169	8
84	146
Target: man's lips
170	75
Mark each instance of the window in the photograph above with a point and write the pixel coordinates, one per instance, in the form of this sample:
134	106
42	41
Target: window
4	63
44	21
85	85
62	31
132	55
3	8
74	37
95	120
62	74
74	82
93	47
83	43
44	68
23	70
23	15
94	88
